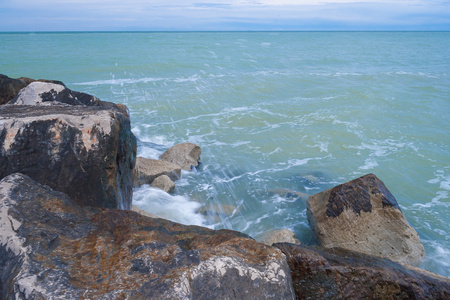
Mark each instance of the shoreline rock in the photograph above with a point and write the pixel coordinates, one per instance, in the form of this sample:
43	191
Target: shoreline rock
85	151
362	215
185	155
9	87
52	248
336	273
61	237
147	170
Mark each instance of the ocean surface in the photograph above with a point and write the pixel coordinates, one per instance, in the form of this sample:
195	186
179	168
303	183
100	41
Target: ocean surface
278	115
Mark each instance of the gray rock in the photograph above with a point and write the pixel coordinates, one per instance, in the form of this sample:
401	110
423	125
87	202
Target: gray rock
147	170
185	155
362	215
87	152
45	93
53	249
10	87
278	236
164	183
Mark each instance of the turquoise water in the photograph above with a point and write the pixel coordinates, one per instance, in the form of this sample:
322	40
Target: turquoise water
275	113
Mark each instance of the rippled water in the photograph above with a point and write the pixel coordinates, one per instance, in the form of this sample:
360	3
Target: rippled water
279	116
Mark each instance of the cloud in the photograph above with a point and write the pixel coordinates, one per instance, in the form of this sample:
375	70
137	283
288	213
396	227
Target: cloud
36	15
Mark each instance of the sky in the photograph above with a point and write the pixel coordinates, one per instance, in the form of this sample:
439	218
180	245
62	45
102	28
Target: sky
194	15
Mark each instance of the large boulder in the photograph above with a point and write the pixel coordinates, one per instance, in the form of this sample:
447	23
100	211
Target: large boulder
362	215
185	155
87	152
53	249
343	274
10	87
147	170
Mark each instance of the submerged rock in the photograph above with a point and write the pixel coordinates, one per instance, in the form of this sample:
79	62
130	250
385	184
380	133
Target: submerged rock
362	215
87	152
278	236
51	248
343	274
217	212
147	170
185	155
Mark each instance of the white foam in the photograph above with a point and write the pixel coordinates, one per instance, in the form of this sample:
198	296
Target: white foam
369	164
178	208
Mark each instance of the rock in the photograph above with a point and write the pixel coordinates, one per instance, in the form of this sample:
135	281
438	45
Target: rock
362	215
87	152
164	183
279	236
53	249
344	274
290	193
44	93
147	170
185	155
9	87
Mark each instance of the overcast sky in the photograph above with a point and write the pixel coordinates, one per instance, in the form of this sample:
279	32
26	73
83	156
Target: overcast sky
105	15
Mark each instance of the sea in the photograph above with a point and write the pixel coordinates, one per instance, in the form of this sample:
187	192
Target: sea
279	116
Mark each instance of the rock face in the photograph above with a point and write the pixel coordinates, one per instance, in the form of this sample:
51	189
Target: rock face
87	152
185	155
279	236
343	274
53	249
362	215
9	87
147	170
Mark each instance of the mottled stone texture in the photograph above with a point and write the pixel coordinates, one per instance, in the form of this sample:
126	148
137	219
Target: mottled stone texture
9	87
362	215
342	274
53	249
147	170
185	155
87	152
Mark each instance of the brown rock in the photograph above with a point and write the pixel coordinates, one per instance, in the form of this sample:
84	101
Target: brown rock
362	215
147	170
279	236
343	274
53	249
185	155
164	183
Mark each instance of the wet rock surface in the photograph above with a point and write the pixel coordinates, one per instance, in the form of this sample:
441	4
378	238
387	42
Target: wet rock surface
362	215
343	274
53	248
